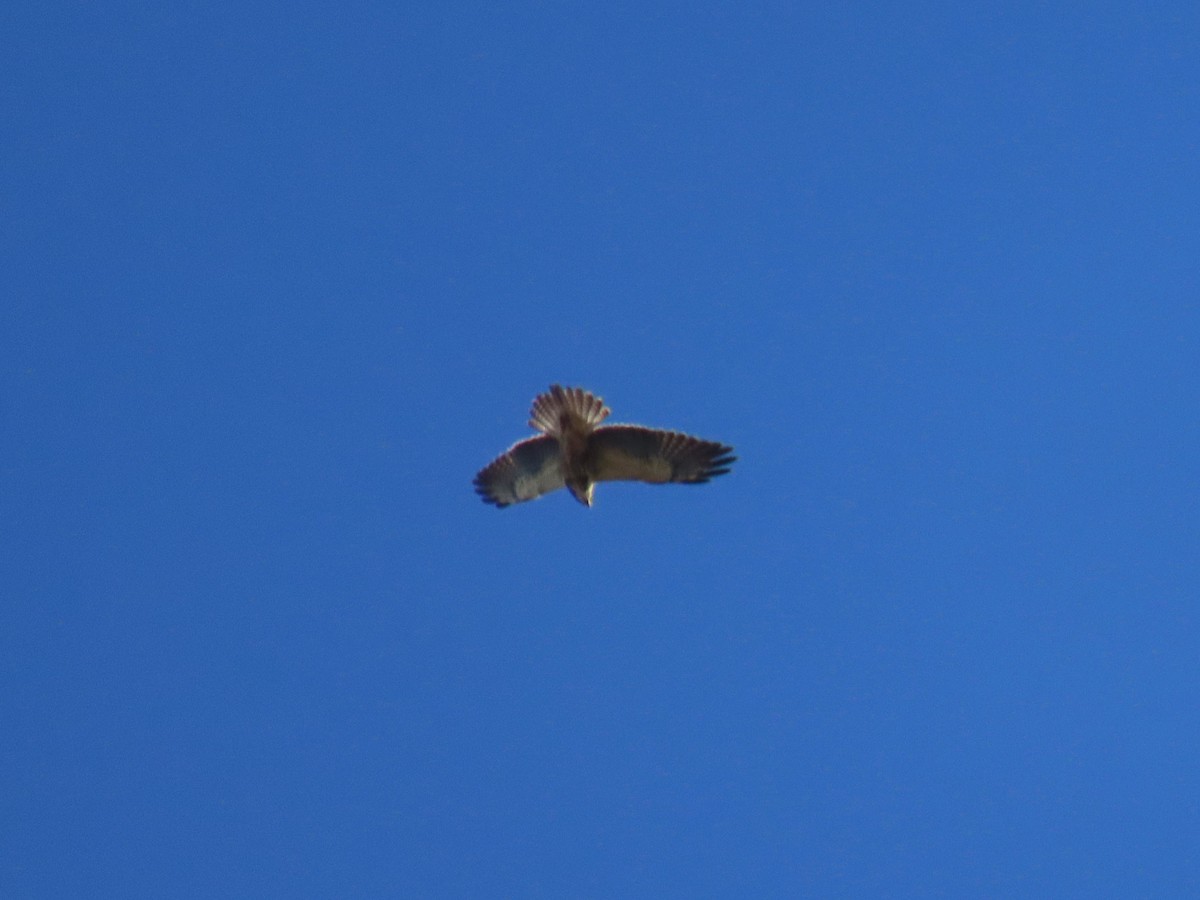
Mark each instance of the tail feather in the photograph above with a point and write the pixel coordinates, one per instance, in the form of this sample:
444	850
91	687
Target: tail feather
561	407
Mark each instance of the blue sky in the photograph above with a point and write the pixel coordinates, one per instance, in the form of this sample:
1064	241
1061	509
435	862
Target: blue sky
278	280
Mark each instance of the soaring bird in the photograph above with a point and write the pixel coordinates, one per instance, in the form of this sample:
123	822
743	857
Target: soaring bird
575	450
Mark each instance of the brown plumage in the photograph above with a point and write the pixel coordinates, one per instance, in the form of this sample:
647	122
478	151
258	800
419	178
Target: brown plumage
574	450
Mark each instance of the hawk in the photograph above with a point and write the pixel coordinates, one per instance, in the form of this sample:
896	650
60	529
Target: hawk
576	451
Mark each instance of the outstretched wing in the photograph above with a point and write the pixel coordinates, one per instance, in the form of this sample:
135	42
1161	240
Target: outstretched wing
634	453
527	470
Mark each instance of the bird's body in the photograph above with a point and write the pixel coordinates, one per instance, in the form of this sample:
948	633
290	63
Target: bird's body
574	450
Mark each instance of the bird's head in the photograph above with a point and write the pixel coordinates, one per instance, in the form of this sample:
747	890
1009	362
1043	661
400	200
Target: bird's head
582	491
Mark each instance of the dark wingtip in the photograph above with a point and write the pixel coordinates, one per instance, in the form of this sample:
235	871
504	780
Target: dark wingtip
484	493
722	461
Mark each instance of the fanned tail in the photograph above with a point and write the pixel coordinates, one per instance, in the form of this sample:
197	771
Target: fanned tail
566	409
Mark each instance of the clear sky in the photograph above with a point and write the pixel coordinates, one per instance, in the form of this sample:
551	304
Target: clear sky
276	280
